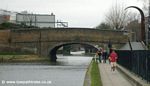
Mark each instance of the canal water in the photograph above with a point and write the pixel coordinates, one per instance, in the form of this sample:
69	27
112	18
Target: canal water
68	71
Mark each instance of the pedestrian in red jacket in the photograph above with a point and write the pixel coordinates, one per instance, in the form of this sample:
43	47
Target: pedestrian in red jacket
113	58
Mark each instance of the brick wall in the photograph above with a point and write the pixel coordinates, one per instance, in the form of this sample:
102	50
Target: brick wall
4	37
68	34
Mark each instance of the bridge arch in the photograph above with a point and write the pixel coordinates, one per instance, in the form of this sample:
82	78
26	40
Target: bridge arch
53	51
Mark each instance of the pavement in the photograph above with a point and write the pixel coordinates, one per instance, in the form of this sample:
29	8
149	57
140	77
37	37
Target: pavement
112	78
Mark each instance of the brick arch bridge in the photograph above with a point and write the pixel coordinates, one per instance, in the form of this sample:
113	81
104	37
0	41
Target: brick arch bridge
53	51
46	41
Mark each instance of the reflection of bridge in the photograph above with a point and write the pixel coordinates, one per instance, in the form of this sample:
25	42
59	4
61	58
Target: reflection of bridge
48	41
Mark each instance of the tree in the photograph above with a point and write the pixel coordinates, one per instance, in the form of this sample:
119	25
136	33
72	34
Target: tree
134	27
146	5
117	17
103	25
133	16
28	18
31	18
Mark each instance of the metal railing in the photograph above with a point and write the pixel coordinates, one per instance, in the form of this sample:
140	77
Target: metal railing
136	61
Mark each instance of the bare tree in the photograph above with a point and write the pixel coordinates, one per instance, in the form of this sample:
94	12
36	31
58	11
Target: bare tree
103	25
146	4
117	17
31	18
28	19
132	16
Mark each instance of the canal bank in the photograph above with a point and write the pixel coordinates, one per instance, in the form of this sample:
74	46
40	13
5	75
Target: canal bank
92	77
22	58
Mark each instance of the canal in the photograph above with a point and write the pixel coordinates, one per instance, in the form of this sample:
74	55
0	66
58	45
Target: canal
68	71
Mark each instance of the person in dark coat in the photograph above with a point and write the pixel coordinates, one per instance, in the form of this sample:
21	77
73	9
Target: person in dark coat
104	55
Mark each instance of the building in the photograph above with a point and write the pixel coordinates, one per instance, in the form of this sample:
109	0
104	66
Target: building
7	16
30	19
4	18
38	20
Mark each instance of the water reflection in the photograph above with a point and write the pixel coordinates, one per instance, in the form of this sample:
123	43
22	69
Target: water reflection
73	60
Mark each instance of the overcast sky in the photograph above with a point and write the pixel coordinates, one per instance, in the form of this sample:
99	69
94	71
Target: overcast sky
78	13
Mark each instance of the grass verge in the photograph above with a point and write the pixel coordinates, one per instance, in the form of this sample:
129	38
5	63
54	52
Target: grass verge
95	75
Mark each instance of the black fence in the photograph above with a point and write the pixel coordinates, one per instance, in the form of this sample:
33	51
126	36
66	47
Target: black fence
137	61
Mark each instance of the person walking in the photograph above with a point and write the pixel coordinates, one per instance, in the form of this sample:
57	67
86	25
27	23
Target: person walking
113	58
99	55
96	57
110	51
104	56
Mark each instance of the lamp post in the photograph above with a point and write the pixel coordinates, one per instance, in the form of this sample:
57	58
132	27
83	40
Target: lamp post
148	20
109	46
142	22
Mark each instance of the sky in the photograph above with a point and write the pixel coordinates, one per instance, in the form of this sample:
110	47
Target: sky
78	13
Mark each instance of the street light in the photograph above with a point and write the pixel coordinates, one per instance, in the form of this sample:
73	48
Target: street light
142	22
148	21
